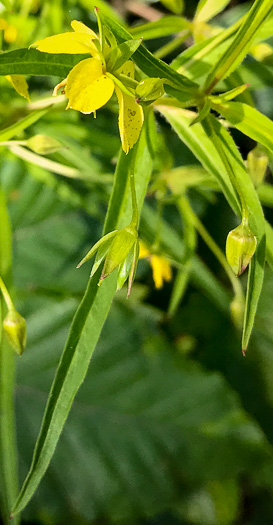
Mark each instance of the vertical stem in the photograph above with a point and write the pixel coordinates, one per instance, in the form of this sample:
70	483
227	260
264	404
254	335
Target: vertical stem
135	217
8	452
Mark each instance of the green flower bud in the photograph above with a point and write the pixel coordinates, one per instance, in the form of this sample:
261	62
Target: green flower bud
149	90
43	145
15	327
240	248
257	161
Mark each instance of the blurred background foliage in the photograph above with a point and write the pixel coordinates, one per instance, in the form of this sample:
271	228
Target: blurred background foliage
172	425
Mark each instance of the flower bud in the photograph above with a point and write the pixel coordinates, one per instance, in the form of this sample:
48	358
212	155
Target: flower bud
15	327
257	161
43	145
240	247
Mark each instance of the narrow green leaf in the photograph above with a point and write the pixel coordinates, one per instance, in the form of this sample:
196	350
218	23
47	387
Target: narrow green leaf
197	60
21	125
202	143
167	25
33	62
152	66
86	326
248	120
103	6
207	9
176	6
269	244
240	45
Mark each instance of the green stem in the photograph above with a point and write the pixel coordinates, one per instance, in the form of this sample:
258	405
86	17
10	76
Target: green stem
8	452
135	216
14	143
172	45
236	285
6	295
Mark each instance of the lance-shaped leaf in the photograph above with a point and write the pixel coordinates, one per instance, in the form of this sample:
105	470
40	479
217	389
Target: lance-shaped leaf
201	140
240	45
86	326
207	9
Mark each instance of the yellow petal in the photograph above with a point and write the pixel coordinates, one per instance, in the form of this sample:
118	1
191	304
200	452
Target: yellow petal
88	89
20	84
79	27
130	120
161	270
143	251
69	43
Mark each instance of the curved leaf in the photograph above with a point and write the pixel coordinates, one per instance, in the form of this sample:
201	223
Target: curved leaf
201	140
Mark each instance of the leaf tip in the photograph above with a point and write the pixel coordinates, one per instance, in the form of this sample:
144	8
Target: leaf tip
244	351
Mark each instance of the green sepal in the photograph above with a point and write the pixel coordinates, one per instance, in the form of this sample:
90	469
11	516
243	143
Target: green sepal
96	246
133	268
102	252
125	268
120	54
119	249
149	90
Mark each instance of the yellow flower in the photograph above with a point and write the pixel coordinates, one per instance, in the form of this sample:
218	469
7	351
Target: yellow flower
161	267
89	86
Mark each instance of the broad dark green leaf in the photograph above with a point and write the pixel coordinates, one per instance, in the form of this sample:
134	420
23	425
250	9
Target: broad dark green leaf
137	409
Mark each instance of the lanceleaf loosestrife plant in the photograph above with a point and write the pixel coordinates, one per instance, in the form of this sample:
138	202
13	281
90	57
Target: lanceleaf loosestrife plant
195	95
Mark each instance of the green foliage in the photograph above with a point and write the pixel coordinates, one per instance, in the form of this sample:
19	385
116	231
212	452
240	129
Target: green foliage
168	423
